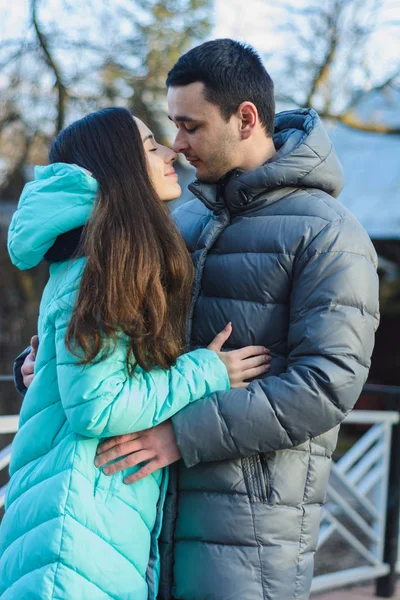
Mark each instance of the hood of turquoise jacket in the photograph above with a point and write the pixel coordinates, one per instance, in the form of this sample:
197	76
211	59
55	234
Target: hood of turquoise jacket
59	199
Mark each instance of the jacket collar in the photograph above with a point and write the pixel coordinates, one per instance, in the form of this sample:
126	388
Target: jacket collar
235	198
213	195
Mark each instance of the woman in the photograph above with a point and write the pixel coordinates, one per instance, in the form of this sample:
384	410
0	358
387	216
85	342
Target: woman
111	329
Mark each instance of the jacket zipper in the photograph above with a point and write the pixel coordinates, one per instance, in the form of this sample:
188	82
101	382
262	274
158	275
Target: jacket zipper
255	472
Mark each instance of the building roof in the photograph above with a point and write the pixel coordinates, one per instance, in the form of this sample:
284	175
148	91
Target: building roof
371	163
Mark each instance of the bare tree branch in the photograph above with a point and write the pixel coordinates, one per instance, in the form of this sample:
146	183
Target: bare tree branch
61	88
10	59
321	75
15	178
10	43
389	81
288	99
323	71
328	65
351	120
11	117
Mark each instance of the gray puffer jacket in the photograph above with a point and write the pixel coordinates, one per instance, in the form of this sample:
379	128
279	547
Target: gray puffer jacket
280	257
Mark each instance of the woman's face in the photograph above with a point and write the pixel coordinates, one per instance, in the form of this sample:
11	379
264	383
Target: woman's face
160	161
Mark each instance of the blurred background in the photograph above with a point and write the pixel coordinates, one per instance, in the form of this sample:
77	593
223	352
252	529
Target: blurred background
60	59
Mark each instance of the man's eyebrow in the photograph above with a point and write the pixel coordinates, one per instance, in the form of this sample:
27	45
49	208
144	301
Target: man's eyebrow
182	118
148	137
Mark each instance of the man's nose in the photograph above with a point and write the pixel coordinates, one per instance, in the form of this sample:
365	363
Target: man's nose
180	143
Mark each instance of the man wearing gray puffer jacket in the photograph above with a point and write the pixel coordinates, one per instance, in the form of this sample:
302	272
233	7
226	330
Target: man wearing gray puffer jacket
280	257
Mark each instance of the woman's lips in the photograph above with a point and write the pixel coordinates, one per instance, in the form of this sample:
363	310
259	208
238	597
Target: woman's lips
172	173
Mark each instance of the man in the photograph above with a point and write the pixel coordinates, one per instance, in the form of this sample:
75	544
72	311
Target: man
276	254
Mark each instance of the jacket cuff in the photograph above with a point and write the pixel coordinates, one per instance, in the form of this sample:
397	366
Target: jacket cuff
18	379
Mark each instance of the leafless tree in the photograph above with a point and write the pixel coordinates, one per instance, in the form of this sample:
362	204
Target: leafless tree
326	62
61	70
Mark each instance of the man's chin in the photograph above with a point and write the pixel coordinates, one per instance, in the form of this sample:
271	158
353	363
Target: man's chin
206	176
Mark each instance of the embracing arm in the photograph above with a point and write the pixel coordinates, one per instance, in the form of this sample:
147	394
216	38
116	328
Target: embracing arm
334	314
102	400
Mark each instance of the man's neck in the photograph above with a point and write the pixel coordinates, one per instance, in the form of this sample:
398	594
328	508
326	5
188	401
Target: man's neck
257	153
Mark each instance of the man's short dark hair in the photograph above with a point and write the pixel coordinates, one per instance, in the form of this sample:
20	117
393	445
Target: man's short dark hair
232	73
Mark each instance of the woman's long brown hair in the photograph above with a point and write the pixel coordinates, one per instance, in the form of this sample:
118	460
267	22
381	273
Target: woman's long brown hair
138	273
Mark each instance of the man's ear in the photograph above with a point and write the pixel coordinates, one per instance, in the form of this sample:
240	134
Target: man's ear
247	114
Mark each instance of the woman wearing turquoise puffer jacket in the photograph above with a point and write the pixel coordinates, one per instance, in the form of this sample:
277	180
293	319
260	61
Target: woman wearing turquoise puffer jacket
111	330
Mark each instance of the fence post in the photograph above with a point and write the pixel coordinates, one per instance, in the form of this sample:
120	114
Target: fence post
386	585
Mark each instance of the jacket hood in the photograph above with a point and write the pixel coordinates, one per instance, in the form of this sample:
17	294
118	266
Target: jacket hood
305	158
58	200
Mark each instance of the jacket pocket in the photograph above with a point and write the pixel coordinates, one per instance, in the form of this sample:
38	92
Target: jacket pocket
256	477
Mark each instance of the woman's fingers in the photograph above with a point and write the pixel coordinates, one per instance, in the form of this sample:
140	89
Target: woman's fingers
221	338
243	364
243	376
251	351
250	368
256	372
256	361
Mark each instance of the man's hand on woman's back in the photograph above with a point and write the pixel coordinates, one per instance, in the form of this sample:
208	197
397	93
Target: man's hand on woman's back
29	363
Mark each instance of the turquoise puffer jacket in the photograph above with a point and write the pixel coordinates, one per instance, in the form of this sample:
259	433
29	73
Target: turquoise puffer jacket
69	531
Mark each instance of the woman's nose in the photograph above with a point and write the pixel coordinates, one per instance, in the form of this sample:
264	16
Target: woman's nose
171	156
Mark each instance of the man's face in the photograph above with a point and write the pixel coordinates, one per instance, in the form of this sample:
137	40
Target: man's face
208	142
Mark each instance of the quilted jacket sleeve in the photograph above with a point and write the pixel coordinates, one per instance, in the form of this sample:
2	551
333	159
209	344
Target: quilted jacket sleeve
101	400
333	317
